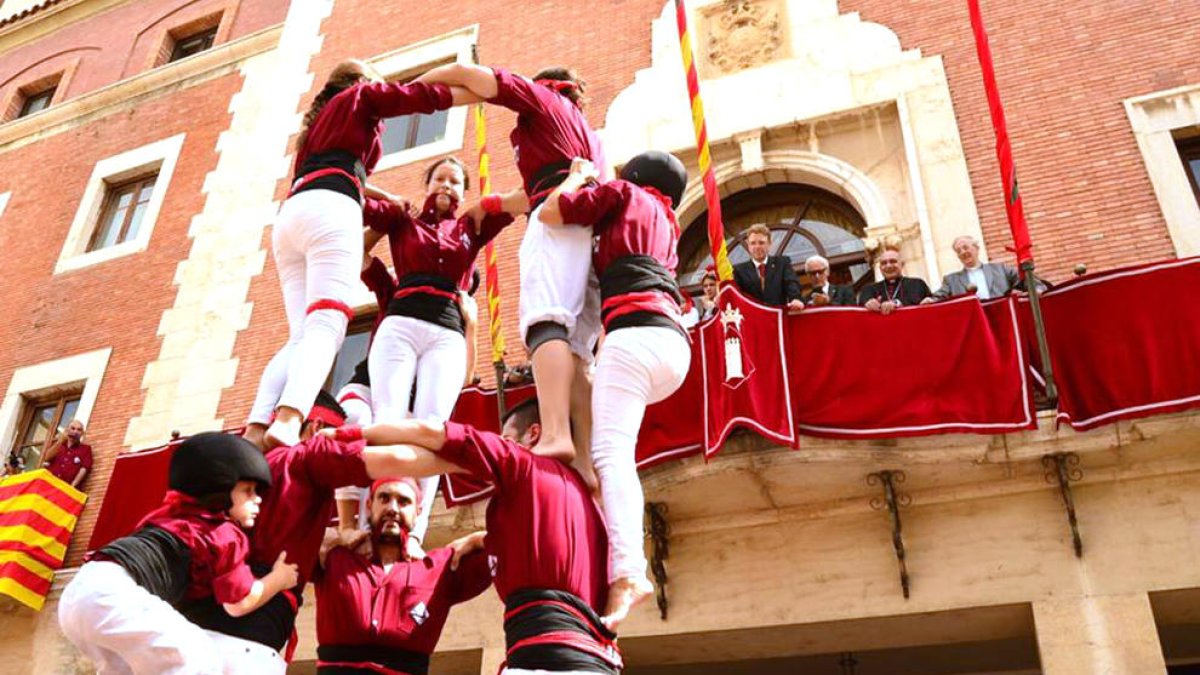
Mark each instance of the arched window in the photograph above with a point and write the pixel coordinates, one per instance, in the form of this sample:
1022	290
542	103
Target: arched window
804	221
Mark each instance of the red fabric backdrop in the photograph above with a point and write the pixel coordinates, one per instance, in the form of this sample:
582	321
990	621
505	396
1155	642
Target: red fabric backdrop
953	367
1125	343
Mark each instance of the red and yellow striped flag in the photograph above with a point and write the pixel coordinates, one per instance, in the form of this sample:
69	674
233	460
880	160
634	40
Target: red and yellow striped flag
716	227
37	516
489	253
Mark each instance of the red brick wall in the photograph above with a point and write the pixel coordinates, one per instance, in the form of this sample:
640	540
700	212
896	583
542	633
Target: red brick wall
115	304
122	41
1063	70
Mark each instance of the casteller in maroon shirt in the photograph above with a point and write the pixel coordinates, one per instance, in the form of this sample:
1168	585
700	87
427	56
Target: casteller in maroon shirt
548	545
370	618
550	132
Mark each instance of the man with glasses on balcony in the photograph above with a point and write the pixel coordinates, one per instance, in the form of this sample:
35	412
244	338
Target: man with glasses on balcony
896	290
769	279
822	292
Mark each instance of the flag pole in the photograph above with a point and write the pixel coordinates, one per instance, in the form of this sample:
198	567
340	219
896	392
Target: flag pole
716	227
491	269
1013	205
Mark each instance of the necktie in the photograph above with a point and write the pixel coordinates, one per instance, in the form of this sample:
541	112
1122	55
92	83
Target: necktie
762	276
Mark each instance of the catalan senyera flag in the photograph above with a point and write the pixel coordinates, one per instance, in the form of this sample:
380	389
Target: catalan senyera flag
38	513
492	272
716	226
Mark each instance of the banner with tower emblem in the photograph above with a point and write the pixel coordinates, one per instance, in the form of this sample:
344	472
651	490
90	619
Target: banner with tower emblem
745	372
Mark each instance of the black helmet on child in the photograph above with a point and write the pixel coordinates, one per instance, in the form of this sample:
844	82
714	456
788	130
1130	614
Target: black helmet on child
659	170
208	465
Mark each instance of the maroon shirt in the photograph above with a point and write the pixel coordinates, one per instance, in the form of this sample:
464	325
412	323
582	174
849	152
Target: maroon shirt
219	548
300	502
69	460
544	529
444	247
358	603
626	220
550	128
353	119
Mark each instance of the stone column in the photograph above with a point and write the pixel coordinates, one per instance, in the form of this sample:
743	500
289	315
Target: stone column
1099	635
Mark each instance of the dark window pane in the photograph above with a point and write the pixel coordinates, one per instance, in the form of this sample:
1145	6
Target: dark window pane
36	102
194	44
410	131
121	217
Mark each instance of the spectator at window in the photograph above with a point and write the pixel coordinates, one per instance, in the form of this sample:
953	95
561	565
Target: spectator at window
987	280
705	305
895	290
769	279
69	457
822	292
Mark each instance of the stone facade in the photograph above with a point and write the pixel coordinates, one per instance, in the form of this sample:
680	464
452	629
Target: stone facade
778	561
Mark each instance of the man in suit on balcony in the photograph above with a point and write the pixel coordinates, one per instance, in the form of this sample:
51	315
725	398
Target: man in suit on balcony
767	278
987	280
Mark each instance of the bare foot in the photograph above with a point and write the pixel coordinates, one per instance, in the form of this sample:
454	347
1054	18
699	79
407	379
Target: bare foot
557	448
623	595
254	433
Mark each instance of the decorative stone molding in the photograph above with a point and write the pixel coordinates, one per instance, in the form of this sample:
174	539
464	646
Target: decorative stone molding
832	66
795	166
741	34
1154	117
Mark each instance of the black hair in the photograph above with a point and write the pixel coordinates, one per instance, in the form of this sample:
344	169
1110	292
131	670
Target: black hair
475	279
327	401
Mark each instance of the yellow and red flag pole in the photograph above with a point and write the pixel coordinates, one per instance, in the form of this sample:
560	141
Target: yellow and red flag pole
491	271
716	227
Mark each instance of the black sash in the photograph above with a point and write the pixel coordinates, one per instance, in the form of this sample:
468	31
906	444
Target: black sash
413	663
342	160
156	559
436	309
523	620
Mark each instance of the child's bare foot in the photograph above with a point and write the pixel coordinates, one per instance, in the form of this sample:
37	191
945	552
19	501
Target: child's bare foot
623	595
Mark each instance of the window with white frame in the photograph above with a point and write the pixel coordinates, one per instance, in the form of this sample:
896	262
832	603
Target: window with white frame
1164	125
411	138
120	205
45	396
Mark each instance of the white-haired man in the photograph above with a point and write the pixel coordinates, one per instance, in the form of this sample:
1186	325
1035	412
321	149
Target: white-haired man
988	280
822	292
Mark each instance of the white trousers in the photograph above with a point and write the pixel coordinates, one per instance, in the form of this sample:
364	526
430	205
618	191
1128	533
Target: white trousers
558	284
123	628
405	349
318	247
637	366
246	657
